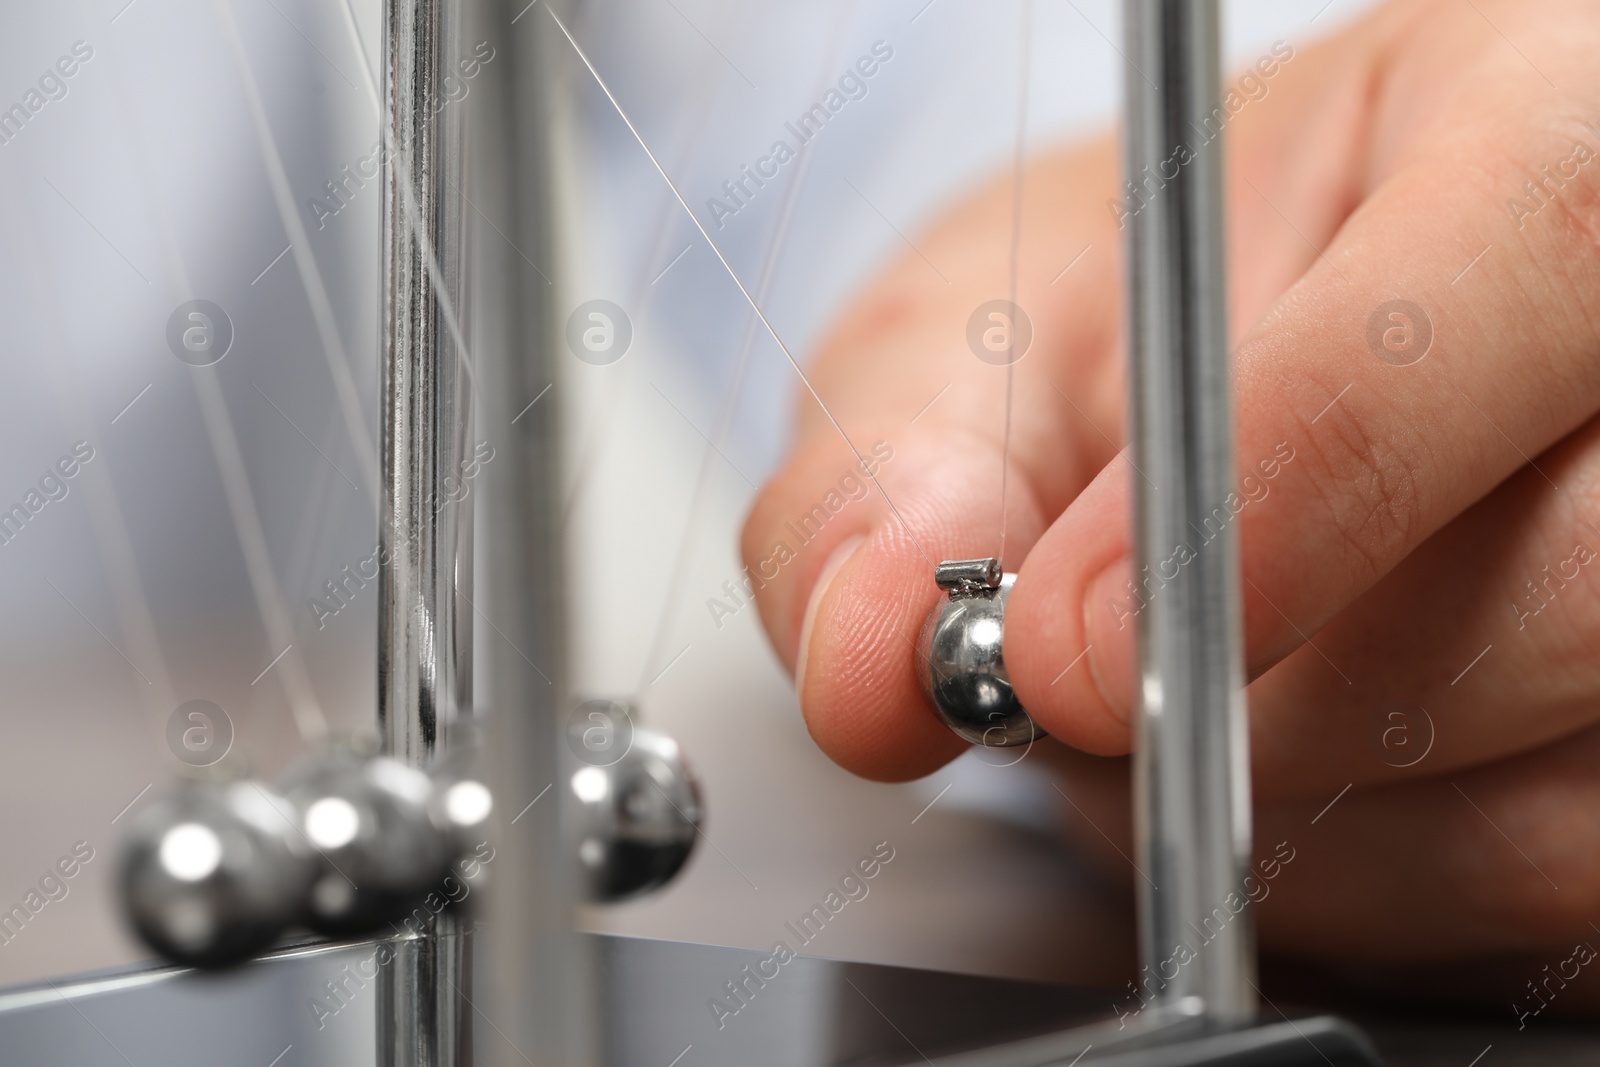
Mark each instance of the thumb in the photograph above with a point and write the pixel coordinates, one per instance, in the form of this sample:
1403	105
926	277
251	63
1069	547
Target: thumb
846	580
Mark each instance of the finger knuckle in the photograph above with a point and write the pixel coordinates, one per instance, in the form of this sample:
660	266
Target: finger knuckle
1555	204
1533	882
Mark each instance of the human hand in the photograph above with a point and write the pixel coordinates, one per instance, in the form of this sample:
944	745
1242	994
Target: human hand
1402	481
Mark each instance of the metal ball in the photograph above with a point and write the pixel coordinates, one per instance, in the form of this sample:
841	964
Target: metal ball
370	822
465	808
462	803
963	670
638	818
212	875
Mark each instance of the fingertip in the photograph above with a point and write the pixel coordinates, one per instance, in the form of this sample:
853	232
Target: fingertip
830	569
856	682
788	541
1069	651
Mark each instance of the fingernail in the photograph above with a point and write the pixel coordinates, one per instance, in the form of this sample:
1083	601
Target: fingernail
1109	614
836	559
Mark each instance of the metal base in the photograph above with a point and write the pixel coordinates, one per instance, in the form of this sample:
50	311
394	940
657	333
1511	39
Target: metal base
1322	1041
1299	1043
656	1002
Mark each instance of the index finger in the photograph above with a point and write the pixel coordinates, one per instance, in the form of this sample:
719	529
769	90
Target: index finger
1386	392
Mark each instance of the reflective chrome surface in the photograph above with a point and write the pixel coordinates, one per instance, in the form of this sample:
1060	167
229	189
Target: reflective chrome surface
639	818
318	999
214	873
425	526
425	518
1191	767
962	667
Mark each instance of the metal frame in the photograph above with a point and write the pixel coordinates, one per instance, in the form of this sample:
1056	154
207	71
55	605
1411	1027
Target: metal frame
435	392
1191	765
425	516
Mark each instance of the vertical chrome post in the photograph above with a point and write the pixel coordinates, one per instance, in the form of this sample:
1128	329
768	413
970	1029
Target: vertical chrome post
1191	768
542	990
424	642
425	528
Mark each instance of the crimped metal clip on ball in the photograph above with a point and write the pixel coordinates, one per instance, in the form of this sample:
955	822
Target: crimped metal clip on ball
960	662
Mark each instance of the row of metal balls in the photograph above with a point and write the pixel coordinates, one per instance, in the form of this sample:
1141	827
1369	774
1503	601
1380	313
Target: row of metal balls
350	843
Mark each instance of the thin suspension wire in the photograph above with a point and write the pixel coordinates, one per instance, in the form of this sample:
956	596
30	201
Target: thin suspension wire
135	620
595	438
303	704
730	399
756	307
314	521
1024	87
309	717
306	264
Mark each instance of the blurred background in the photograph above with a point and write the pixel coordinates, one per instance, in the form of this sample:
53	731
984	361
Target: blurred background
217	147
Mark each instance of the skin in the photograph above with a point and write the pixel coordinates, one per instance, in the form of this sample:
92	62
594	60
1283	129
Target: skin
1380	560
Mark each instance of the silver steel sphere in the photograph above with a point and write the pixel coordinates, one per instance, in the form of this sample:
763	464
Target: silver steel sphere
212	875
962	667
464	807
461	801
638	818
462	804
371	823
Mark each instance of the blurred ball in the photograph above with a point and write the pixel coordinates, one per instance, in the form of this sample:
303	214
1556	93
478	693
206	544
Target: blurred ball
371	824
964	673
464	806
638	818
461	802
212	875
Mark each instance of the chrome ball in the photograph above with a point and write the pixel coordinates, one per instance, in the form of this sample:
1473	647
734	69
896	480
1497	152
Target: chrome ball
370	822
963	670
461	801
638	818
463	805
212	875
